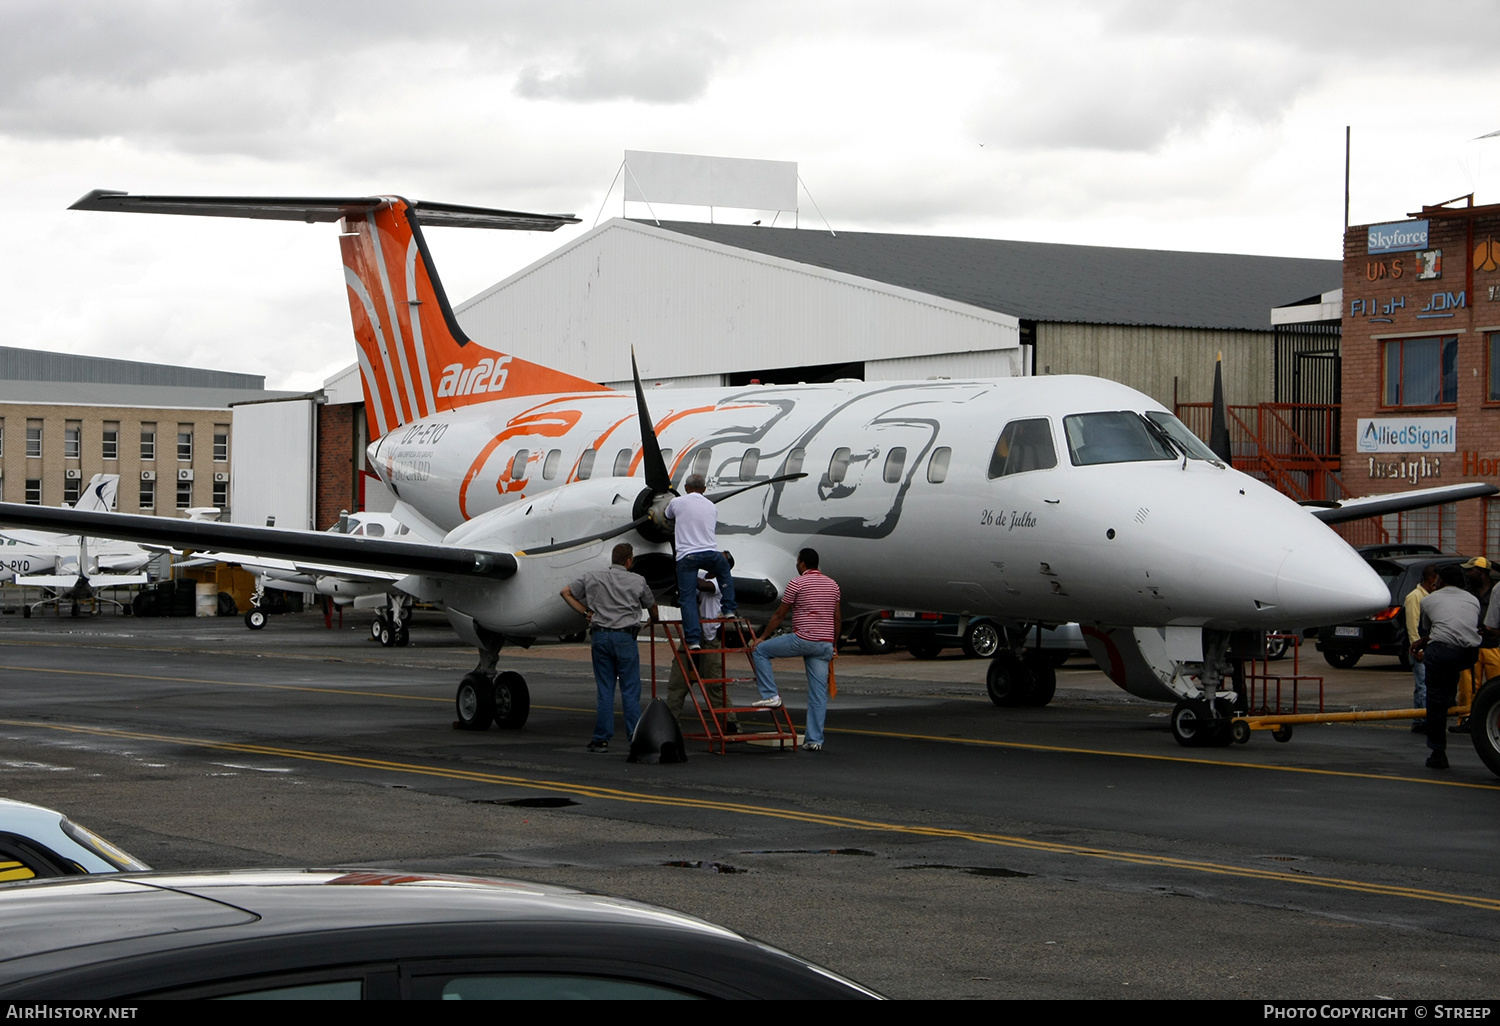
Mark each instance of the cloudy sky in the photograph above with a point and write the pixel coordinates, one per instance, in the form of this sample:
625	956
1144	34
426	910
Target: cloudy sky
1177	125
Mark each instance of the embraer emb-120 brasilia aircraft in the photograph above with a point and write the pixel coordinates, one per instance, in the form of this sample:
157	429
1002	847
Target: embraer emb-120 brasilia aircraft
1034	500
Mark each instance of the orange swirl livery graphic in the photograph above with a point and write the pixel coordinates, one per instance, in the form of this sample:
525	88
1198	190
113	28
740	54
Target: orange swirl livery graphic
533	422
414	359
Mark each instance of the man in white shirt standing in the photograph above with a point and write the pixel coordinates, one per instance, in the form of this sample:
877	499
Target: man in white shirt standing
696	526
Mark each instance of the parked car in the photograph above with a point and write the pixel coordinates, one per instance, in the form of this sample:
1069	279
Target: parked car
1345	644
372	935
925	635
39	843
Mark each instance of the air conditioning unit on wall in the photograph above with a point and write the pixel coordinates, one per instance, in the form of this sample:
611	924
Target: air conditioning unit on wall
185	474
221	476
73	474
148	475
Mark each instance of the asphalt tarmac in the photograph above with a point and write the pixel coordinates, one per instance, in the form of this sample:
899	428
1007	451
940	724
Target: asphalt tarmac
939	847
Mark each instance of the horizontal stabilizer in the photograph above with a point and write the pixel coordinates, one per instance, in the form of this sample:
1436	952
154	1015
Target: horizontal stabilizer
322	208
1380	505
408	557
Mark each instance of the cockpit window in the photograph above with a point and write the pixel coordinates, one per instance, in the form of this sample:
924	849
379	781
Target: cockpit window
1024	445
1120	436
1179	433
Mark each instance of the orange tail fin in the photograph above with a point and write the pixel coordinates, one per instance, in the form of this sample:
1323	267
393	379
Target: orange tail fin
414	359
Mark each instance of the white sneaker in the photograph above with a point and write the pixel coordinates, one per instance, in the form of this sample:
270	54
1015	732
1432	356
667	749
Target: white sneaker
774	702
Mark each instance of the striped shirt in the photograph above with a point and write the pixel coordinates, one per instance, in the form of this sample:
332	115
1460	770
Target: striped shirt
813	598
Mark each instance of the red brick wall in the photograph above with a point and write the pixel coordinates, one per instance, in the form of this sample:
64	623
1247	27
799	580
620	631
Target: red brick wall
336	443
1383	298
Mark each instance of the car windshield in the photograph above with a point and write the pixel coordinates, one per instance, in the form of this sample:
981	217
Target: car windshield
1120	436
1179	433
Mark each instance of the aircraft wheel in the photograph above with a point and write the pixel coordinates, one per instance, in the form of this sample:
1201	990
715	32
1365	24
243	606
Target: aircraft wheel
1342	660
475	702
512	701
1190	723
1043	677
925	649
403	636
255	619
1239	730
387	634
1009	681
981	640
1282	733
26	612
1484	726
867	635
375	626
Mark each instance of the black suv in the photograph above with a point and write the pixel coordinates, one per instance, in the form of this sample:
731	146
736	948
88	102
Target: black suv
1385	632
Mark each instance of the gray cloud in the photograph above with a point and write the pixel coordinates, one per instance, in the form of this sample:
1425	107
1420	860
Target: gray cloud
671	71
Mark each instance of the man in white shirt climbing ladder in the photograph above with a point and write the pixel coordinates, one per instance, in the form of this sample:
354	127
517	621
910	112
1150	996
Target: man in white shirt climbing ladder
696	525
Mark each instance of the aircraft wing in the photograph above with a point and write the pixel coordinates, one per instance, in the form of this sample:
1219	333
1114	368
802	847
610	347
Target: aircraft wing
1379	505
380	554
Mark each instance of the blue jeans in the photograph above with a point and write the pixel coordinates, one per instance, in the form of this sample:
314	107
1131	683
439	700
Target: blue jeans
687	589
616	657
1419	684
815	657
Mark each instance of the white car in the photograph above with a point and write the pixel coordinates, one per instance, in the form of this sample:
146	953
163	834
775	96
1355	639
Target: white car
37	842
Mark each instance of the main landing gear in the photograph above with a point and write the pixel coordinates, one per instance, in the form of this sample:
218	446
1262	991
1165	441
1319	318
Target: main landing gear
390	626
486	696
1020	676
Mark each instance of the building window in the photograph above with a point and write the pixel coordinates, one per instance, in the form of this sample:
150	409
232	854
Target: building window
34	439
184	494
148	441
33	491
111	439
1436	525
1491	525
221	443
71	488
72	440
148	496
1492	353
221	498
1421	371
184	443
2	436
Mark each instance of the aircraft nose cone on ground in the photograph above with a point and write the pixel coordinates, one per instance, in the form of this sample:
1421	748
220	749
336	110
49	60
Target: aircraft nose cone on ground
1325	582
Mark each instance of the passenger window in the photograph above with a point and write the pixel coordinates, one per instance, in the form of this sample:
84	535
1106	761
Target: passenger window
549	466
1119	436
749	463
622	463
937	467
586	464
1024	445
375	530
838	465
794	461
666	459
701	461
518	464
895	462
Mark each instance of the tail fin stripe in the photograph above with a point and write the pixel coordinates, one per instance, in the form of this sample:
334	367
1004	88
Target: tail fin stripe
372	383
416	327
394	341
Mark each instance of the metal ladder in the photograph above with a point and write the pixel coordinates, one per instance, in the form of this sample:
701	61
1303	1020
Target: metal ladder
710	695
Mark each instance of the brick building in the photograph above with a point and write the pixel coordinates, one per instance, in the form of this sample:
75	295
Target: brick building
1421	367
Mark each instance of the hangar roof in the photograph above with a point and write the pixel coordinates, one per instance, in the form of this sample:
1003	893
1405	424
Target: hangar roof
38	365
162	397
1043	281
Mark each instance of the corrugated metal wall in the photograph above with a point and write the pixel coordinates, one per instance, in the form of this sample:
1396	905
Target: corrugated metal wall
693	308
272	463
994	364
1150	358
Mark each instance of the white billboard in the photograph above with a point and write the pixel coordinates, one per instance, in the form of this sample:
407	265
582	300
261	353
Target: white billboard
1408	434
710	181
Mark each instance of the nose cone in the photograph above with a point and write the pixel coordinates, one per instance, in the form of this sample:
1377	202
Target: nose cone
1322	581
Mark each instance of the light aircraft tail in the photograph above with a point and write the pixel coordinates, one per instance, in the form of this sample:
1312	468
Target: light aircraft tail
414	358
99	496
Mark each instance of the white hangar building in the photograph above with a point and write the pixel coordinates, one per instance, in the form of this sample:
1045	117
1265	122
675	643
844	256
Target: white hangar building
716	304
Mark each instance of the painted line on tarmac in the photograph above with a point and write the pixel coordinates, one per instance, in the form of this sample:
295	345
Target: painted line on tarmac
794	815
1031	746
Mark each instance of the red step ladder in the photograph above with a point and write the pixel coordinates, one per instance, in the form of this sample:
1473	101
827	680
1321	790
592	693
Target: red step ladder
710	695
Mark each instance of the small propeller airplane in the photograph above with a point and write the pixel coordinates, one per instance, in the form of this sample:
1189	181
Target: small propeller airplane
1035	500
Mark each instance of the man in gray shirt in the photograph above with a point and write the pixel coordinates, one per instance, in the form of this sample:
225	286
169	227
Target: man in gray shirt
1449	645
612	600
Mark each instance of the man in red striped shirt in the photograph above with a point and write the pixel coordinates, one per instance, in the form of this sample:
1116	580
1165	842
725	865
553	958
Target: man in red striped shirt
813	601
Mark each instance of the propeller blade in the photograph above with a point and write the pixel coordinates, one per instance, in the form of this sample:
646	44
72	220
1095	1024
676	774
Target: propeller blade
657	477
542	550
1218	431
721	496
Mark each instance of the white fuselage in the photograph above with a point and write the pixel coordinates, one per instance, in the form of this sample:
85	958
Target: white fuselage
1155	542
